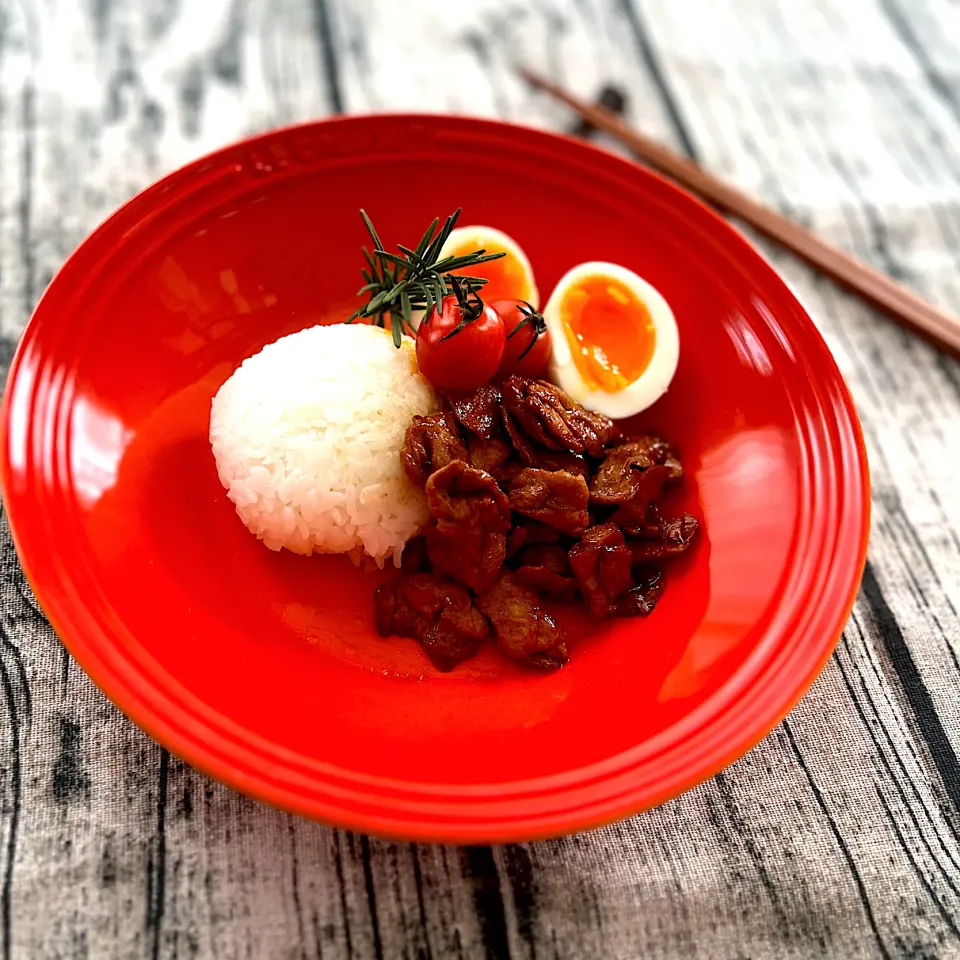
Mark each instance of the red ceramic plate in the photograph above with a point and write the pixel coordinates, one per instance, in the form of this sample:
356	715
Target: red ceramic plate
264	669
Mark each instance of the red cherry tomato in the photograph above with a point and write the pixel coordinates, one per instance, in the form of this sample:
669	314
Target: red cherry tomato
464	358
527	349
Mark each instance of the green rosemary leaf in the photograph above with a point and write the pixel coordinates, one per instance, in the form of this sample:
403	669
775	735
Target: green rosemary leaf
378	300
433	251
426	238
448	227
397	331
371	229
393	258
395	290
410	253
467	260
405	310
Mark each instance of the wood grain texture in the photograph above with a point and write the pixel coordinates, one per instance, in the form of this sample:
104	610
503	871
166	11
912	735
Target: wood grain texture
840	834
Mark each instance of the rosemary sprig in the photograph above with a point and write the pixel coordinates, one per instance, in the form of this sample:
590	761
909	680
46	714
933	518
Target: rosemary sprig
532	319
415	278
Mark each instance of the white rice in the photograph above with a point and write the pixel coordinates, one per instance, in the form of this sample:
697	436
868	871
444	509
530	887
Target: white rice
307	436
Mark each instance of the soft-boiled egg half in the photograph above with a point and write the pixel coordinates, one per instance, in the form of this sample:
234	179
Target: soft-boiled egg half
614	339
508	278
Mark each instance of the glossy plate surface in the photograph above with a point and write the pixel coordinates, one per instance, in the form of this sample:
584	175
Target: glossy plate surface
264	669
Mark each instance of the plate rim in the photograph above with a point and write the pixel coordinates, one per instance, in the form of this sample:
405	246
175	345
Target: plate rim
451	828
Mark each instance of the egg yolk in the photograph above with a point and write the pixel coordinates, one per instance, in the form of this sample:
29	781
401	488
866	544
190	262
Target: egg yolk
506	278
610	331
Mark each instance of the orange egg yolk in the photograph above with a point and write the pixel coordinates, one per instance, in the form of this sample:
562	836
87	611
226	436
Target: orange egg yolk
610	332
506	278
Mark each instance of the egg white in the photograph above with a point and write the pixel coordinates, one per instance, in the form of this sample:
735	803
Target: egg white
652	383
493	240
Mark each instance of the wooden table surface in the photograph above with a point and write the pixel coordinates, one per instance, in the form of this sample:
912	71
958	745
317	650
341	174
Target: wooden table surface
840	834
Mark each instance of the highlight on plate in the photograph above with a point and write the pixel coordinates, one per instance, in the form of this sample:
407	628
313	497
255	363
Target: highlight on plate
452	431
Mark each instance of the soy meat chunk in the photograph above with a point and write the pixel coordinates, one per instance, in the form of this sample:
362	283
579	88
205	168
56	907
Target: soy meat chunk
545	416
673	537
659	452
575	463
524	630
640	600
546	568
479	411
516	539
673	466
634	523
509	470
535	456
628	470
471	557
521	442
489	455
467	540
430	444
527	532
537	532
440	614
554	497
467	497
602	562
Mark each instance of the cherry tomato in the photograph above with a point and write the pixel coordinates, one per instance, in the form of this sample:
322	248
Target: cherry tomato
460	347
527	349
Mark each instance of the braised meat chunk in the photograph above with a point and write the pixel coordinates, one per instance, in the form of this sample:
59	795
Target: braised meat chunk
626	471
524	630
673	537
554	497
659	452
528	532
575	463
546	568
549	418
465	496
489	455
602	562
440	614
479	411
467	541
431	443
634	522
640	600
472	557
536	456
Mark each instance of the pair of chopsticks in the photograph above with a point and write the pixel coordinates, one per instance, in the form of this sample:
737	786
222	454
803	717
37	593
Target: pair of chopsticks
900	304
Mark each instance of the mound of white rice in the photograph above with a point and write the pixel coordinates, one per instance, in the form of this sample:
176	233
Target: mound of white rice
307	436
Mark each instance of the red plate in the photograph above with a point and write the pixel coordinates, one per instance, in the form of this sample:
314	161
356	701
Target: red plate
263	669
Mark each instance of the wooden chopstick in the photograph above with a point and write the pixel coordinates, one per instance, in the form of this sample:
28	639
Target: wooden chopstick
902	305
